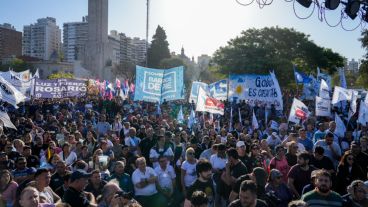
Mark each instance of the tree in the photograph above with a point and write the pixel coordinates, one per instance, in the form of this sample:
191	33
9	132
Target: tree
278	49
60	75
363	69
159	48
17	65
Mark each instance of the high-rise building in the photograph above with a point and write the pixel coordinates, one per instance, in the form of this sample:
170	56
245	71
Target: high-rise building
353	65
75	36
10	41
98	51
42	39
132	49
114	41
203	61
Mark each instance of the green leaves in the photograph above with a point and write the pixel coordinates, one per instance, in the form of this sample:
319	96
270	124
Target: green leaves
274	48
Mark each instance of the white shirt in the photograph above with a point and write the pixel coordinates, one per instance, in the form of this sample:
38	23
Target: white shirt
273	141
70	159
166	177
154	154
139	176
190	173
218	162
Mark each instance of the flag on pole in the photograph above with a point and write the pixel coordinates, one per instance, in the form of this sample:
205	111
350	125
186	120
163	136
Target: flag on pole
353	105
340	126
4	117
158	109
299	112
254	121
191	119
240	118
300	77
324	90
209	104
117	83
180	116
342	78
231	120
10	94
266	116
363	109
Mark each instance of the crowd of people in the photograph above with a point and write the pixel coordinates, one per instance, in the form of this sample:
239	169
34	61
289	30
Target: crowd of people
95	152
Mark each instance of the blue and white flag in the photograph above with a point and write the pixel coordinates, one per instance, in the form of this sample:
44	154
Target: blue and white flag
324	76
342	78
191	119
158	109
158	85
300	77
218	90
195	89
324	90
240	118
231	120
254	121
180	116
340	127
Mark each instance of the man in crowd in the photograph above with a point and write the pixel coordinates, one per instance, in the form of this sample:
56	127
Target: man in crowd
75	195
322	195
248	196
332	149
202	183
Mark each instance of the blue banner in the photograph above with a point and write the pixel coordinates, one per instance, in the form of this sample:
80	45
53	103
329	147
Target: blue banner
194	92
218	90
158	85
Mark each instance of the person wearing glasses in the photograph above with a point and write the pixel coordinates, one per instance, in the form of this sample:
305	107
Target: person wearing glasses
188	170
22	172
347	171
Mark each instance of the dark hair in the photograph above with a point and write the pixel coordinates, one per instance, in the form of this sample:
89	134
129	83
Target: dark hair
248	185
95	171
304	155
329	134
198	198
203	165
319	150
232	153
67	177
343	160
40	171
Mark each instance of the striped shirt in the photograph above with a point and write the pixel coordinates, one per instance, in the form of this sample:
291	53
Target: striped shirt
314	199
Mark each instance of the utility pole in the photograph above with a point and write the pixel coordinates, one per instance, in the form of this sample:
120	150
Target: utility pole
147	26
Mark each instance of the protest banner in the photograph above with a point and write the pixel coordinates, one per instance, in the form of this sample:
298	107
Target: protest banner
323	106
256	89
10	94
299	112
209	104
59	88
194	91
218	90
158	85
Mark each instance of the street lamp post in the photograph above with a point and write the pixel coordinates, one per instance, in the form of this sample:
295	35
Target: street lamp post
147	25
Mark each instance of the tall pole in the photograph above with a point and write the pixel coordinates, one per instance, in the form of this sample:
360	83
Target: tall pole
147	25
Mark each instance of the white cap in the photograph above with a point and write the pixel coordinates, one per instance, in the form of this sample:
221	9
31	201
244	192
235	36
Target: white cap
240	143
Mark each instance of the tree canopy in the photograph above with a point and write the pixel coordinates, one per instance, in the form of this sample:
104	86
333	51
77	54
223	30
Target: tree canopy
159	48
60	75
274	48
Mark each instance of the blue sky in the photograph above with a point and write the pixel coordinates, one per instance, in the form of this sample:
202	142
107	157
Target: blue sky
201	26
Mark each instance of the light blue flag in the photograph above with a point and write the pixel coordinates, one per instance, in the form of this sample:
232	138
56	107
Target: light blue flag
180	116
191	119
158	109
342	78
231	120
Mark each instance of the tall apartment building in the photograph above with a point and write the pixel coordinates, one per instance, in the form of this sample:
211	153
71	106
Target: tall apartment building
42	39
10	41
132	49
114	41
353	65
75	36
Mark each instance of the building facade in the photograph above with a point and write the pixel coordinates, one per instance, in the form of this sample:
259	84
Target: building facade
75	36
132	50
353	65
42	39
10	42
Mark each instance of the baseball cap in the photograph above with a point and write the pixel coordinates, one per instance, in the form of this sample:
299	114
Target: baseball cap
78	174
240	144
275	173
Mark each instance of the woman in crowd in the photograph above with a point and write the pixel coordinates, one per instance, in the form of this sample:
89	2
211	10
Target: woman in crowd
102	165
67	155
90	141
347	171
357	194
188	169
8	188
